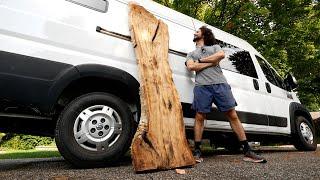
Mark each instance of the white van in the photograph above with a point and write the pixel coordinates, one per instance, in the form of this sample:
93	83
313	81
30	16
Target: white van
68	69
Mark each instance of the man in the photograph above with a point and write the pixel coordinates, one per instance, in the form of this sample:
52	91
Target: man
211	87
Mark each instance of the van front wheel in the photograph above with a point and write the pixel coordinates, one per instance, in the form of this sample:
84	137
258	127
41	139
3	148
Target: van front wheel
94	130
304	139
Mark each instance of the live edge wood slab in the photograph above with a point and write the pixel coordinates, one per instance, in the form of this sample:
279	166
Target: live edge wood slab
160	141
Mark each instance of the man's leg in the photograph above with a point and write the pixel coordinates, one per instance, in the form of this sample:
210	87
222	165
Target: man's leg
198	126
235	124
237	127
202	103
198	131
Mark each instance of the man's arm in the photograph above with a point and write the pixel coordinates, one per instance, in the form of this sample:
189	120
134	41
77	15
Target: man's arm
215	58
195	66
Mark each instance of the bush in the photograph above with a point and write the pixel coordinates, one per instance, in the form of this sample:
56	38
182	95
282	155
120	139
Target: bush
24	142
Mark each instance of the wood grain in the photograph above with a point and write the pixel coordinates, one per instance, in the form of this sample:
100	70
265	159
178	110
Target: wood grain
160	141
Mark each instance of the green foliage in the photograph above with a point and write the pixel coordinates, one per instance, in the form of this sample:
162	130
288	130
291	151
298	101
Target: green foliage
24	142
287	33
20	154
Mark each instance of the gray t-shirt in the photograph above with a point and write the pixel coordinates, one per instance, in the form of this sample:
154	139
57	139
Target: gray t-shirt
210	75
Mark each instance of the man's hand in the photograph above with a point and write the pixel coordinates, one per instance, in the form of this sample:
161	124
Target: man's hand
190	64
196	66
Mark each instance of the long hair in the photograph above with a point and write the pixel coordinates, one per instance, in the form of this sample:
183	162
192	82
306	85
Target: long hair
208	36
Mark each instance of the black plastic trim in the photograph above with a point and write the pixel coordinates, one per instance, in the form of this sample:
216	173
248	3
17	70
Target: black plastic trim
245	117
278	121
96	70
293	108
26	81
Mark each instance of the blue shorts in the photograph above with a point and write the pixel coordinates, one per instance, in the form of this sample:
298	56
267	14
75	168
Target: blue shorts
219	94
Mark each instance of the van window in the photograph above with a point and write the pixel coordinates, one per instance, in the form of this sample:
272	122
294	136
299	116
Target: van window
270	73
237	60
98	5
279	80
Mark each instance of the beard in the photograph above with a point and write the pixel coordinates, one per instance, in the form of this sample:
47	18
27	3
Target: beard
196	38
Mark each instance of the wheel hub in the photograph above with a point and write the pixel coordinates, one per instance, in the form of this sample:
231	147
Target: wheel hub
97	128
306	132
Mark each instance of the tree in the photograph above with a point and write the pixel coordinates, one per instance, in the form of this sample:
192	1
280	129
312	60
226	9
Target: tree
287	33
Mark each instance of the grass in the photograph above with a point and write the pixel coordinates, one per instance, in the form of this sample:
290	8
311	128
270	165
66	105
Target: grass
20	154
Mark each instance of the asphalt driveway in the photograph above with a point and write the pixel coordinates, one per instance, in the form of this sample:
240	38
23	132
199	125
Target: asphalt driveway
283	163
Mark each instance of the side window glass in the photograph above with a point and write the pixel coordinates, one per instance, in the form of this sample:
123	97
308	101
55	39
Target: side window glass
278	79
237	60
270	74
98	5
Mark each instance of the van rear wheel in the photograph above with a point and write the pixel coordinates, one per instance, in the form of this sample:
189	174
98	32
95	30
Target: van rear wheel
94	130
304	139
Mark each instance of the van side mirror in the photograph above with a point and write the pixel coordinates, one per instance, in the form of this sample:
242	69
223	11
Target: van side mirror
290	82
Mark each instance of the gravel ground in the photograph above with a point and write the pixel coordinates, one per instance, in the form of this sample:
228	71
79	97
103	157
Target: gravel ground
283	163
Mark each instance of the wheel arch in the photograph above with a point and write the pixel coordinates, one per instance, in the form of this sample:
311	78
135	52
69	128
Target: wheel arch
90	76
297	109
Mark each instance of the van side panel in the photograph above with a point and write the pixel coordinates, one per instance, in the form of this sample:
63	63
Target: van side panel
25	81
70	37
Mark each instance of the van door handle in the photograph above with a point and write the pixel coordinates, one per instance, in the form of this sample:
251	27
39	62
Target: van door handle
268	87
255	84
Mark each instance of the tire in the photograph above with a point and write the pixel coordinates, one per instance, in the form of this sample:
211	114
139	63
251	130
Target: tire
233	146
91	149
304	138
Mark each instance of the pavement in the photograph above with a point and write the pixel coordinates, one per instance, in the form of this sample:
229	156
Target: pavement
284	162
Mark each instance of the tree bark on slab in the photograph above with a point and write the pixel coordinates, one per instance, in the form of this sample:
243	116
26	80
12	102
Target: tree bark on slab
160	141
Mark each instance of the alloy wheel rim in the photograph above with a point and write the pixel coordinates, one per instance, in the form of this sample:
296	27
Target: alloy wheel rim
306	132
97	128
